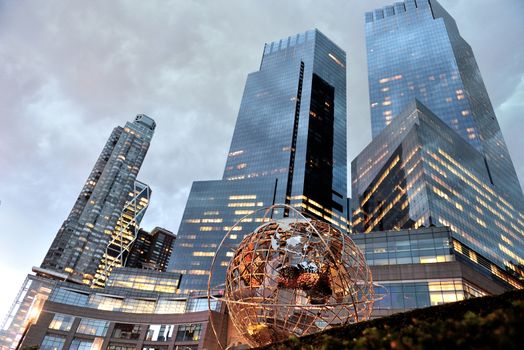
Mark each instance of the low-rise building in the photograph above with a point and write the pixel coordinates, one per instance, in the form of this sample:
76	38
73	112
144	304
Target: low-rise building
417	268
138	309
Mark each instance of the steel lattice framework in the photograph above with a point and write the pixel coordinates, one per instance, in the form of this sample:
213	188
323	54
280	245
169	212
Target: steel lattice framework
124	234
295	276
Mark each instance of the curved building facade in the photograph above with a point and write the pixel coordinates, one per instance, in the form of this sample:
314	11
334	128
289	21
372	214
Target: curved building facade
138	311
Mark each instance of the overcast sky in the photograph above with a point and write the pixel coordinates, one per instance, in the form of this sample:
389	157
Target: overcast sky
71	71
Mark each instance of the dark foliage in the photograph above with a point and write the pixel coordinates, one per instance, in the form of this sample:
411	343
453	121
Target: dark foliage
493	322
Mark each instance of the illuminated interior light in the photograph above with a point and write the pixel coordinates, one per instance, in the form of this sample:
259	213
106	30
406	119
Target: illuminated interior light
247	196
242	204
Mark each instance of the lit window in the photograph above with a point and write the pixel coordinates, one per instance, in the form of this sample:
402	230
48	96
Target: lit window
61	322
92	327
52	343
247	196
243	212
160	332
211	220
208	254
236	228
242	204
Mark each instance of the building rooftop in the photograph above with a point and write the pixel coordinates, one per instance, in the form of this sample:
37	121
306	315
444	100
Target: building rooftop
146	121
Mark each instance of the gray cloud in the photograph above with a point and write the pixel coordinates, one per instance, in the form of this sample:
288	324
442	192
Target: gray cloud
71	71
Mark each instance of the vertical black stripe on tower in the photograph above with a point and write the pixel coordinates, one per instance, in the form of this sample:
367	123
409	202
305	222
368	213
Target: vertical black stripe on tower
294	139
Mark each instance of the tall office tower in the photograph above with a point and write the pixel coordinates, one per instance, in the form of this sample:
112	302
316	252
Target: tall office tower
81	242
292	123
124	234
418	172
415	50
289	146
151	250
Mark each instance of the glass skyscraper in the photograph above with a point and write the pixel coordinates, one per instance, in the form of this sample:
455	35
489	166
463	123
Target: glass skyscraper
418	172
437	157
415	50
292	123
80	244
289	146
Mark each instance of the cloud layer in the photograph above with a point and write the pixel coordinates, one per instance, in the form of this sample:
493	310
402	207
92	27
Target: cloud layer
72	71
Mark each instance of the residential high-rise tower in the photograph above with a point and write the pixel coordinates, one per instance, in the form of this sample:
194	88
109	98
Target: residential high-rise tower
81	242
151	250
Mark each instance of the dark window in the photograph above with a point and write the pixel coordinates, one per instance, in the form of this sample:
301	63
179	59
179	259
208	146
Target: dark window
187	332
126	331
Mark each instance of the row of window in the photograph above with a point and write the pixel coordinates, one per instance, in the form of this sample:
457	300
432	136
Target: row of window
410	295
89	326
99	328
52	342
116	346
132	305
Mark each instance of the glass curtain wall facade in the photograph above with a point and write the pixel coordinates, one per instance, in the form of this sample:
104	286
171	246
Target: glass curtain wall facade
415	50
439	271
81	242
213	207
288	147
132	313
292	125
418	172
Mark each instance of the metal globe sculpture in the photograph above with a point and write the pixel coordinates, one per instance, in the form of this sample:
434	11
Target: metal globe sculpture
296	276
